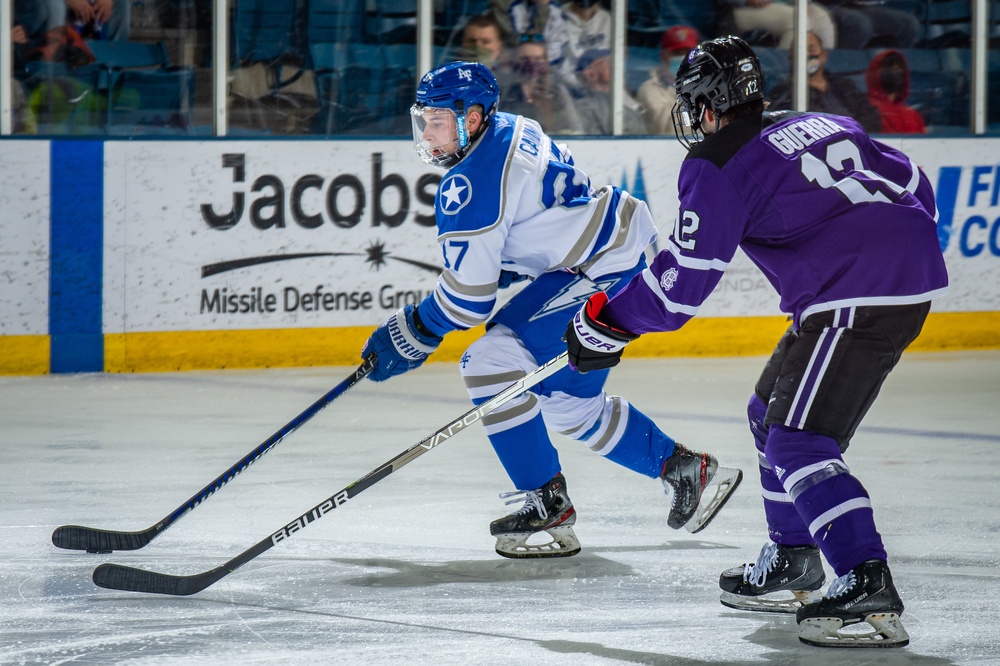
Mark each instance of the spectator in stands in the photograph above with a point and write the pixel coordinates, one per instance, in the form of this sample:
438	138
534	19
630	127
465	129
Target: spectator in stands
29	23
594	69
828	93
777	18
537	93
888	79
864	24
589	26
482	41
656	95
97	19
32	18
533	17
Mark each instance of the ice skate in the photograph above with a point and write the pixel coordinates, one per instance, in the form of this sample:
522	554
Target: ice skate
700	487
781	581
549	510
864	595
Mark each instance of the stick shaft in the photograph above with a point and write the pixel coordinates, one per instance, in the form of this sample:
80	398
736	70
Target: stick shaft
76	537
117	577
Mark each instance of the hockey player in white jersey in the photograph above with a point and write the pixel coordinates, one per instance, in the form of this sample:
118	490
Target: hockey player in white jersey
514	206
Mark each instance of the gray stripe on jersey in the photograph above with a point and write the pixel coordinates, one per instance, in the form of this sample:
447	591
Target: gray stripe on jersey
629	205
511	413
460	317
572	432
579	249
502	379
469	290
611	427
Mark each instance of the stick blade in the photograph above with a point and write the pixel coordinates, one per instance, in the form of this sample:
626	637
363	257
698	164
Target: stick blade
130	579
76	537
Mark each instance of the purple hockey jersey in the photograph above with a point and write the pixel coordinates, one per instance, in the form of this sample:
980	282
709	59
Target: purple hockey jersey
831	217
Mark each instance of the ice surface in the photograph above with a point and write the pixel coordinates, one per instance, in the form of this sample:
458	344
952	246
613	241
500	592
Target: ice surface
406	573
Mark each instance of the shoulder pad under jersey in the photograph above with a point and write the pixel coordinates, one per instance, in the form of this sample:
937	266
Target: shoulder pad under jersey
470	196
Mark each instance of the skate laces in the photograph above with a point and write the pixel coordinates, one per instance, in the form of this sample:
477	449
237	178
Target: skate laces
841	585
532	500
756	573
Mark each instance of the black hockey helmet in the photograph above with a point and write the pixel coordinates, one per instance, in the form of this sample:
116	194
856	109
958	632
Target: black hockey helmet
718	74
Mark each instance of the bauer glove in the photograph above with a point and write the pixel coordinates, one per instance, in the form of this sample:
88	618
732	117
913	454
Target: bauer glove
593	345
401	344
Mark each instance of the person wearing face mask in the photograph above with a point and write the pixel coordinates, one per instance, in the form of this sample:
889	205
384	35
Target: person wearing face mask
482	41
594	104
828	93
888	79
656	94
537	93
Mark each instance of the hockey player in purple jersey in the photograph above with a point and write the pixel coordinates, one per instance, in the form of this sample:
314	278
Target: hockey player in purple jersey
843	227
513	205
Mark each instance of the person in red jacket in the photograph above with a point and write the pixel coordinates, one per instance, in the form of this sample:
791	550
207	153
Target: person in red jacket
888	79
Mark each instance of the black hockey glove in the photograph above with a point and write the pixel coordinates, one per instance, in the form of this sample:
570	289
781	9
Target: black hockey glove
593	345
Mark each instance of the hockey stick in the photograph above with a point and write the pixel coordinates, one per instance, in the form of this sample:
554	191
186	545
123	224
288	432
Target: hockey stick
117	577
94	540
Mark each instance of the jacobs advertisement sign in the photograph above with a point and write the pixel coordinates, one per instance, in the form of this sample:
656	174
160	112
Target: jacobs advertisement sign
247	236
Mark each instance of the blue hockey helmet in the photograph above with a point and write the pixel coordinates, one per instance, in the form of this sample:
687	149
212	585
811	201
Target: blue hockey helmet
455	87
718	74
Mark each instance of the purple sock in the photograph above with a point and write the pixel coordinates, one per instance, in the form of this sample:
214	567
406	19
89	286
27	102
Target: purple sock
784	525
831	502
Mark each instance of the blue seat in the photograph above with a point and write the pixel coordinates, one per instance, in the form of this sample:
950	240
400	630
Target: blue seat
139	91
393	22
266	32
947	23
335	21
775	65
847	61
150	102
658	15
456	12
941	97
925	60
364	88
114	54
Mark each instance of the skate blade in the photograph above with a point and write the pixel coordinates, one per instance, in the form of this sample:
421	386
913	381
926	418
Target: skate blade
775	602
563	544
715	496
883	630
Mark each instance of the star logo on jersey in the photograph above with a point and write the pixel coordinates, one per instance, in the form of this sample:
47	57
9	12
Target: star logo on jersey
455	192
668	279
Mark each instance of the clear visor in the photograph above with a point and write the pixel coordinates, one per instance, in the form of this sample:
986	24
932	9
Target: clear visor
435	134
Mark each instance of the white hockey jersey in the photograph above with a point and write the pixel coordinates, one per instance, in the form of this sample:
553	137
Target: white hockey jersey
518	203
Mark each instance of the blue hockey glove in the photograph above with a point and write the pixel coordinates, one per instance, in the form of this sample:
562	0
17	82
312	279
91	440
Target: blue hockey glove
593	345
508	278
401	344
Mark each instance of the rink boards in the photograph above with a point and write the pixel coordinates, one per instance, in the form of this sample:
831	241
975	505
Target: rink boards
124	256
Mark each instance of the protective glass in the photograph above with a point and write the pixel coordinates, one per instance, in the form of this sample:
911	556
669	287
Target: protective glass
436	136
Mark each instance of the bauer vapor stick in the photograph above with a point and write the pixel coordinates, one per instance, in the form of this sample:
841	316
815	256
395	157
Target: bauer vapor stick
93	540
117	577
